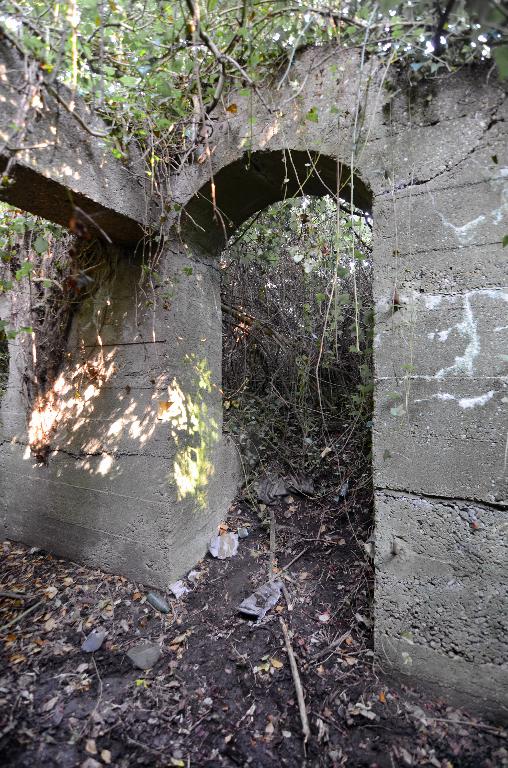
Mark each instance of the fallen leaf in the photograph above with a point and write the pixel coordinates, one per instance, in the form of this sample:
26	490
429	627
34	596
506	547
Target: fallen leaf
91	747
50	625
382	697
269	729
17	658
136	595
179	639
50	592
276	664
361	709
163	409
48	706
107	610
106	756
262	667
232	109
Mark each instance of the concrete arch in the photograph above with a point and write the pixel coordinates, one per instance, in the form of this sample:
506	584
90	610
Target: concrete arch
140	473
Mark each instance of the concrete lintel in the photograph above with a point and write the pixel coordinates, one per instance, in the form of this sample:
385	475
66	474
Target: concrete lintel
55	165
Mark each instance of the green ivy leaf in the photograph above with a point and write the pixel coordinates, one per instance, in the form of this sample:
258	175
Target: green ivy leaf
41	245
24	270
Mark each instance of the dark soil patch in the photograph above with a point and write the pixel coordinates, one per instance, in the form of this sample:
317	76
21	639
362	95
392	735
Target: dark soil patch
222	693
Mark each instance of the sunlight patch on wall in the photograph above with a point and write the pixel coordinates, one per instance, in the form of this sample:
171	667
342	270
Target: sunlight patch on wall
195	433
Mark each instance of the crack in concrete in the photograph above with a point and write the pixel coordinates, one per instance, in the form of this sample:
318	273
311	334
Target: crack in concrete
420	182
449	501
95	454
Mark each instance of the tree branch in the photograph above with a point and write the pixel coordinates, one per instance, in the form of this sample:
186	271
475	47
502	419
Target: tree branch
443	19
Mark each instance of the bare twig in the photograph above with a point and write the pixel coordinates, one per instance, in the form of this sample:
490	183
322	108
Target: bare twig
273	539
332	647
221	57
20	616
443	20
291	562
298	683
74	114
15	595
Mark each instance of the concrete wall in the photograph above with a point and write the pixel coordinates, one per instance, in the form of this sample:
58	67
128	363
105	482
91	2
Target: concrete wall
433	166
139	475
56	164
440	465
436	166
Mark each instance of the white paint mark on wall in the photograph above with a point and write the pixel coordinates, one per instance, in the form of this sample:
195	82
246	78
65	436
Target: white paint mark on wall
431	302
465	233
464	402
468	328
472	402
492	293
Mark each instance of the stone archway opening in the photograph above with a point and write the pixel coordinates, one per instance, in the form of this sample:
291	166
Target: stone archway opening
283	184
297	317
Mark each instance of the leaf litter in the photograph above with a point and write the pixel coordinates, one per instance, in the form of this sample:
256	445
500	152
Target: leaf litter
213	688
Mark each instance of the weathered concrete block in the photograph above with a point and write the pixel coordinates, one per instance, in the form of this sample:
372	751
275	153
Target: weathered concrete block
56	164
443	336
442	593
139	473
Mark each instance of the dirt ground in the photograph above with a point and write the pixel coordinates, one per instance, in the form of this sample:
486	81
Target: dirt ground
222	692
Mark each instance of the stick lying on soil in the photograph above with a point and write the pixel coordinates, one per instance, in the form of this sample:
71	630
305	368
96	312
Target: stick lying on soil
331	647
298	684
15	595
20	616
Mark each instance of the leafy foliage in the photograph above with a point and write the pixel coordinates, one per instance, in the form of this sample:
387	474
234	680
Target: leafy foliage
148	65
293	374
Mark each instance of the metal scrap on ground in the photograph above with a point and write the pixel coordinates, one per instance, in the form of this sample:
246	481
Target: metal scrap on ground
257	605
